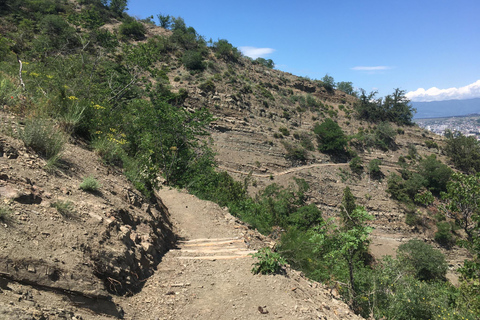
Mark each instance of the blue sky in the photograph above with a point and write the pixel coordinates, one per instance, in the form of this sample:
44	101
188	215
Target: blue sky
430	48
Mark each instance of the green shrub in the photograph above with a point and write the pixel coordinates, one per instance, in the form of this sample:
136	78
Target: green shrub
110	151
356	165
269	262
294	152
9	91
426	262
193	60
463	151
444	235
65	208
435	173
264	62
330	137
424	198
284	131
207	86
132	29
5	214
43	137
374	168
90	184
431	144
225	50
385	136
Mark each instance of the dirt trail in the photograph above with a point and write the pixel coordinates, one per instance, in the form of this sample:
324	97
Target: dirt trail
208	276
294	169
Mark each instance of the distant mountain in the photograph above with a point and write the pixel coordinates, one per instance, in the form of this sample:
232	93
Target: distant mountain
447	108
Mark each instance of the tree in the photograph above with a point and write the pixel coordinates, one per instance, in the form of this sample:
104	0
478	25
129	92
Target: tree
225	50
426	262
165	21
118	6
463	151
346	87
395	108
264	62
328	83
330	137
435	173
463	200
398	109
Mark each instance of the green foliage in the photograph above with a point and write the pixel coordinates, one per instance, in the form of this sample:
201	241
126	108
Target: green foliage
226	51
426	262
424	198
374	168
306	141
164	20
435	173
385	136
328	83
132	29
90	184
207	86
346	87
5	214
395	108
330	137
284	131
430	174
306	217
268	262
117	6
356	165
218	187
404	190
295	152
264	62
193	60
463	200
65	208
463	151
42	136
431	144
444	235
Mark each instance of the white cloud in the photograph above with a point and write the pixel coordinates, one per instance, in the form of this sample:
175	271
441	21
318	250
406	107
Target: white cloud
255	53
376	68
434	94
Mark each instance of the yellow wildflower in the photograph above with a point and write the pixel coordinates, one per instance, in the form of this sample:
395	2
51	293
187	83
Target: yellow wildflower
72	98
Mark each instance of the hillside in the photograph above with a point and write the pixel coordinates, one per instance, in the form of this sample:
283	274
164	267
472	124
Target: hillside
89	92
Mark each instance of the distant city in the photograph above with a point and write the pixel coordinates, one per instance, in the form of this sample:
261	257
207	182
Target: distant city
468	125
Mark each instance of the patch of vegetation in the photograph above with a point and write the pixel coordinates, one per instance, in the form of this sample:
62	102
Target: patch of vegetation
90	184
132	29
463	151
356	165
5	214
426	262
395	108
42	136
193	60
330	136
207	86
295	152
268	262
284	131
65	208
429	173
